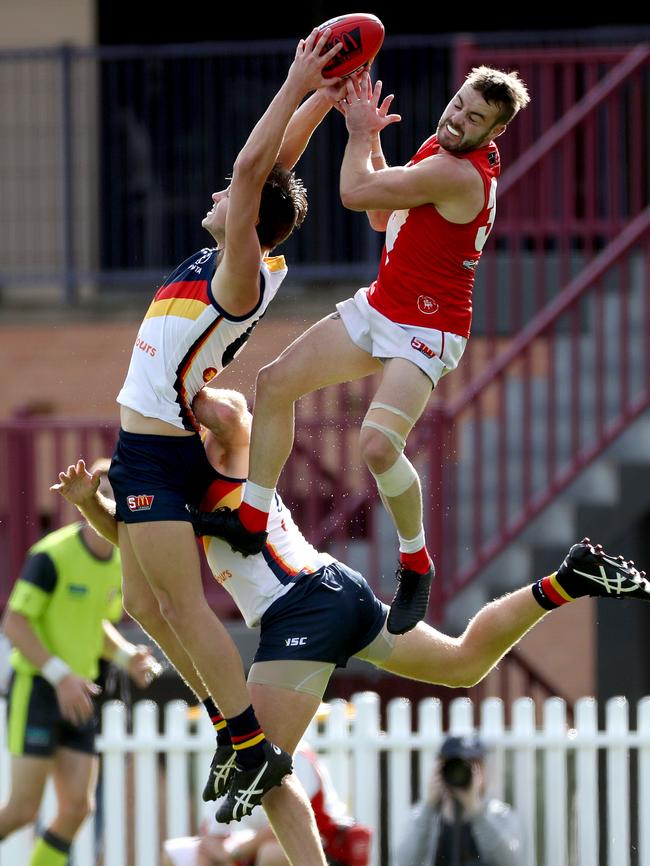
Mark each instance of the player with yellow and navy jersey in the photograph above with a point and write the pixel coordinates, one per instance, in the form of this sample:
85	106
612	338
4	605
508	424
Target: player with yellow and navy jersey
197	322
187	338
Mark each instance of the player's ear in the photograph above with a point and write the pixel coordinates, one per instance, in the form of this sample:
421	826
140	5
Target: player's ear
498	130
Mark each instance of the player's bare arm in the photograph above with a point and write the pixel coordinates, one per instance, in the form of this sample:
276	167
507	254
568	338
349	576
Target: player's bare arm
74	693
137	661
378	219
79	488
307	118
441	179
236	281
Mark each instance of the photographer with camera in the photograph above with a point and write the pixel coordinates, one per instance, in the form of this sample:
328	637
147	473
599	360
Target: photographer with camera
457	825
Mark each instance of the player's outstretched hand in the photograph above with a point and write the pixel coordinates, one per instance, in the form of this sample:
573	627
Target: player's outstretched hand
77	485
335	93
307	67
364	113
143	667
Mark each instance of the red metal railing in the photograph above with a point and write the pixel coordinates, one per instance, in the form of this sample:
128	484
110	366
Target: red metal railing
562	391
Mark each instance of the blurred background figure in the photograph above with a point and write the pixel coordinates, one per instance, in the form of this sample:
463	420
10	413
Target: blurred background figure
253	842
457	824
59	623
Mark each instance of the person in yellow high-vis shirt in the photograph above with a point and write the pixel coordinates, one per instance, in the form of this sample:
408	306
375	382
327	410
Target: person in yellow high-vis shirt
59	621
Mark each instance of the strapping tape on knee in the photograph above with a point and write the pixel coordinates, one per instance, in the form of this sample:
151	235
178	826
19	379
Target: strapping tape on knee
398	442
397	479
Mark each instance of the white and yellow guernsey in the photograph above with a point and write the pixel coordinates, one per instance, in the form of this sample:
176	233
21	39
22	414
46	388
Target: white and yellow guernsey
186	339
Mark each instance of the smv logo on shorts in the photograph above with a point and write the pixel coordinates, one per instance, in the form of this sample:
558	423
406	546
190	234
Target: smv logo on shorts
295	641
422	347
141	502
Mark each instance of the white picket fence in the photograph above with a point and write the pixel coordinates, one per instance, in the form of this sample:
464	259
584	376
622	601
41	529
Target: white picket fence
549	773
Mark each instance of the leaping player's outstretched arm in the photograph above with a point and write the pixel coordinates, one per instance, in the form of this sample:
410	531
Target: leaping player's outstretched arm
236	281
435	180
80	488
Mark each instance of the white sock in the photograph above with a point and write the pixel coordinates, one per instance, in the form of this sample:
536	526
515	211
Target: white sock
258	497
411	545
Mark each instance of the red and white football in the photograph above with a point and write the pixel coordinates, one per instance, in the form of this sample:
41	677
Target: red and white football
361	35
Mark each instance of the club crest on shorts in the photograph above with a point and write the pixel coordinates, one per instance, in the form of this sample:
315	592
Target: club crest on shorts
140	502
427	305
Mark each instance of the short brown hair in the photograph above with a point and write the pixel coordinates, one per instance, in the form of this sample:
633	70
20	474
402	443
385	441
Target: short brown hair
283	207
505	89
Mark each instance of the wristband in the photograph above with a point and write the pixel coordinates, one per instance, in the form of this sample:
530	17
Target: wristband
123	656
54	670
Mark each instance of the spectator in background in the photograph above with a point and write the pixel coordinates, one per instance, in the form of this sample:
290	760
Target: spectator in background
253	843
58	621
457	824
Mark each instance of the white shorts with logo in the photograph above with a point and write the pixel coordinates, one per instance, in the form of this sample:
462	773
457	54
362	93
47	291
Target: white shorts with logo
434	352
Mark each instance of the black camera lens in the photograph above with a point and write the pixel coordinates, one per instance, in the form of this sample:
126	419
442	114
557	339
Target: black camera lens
457	773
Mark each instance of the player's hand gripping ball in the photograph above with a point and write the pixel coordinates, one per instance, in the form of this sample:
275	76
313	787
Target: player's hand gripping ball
360	34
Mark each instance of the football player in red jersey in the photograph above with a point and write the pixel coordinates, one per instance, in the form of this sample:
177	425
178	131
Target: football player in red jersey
411	324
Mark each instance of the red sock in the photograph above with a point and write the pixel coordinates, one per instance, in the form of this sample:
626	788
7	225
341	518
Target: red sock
252	518
419	561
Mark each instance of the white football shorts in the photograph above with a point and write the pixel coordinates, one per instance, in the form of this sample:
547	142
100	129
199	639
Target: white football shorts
434	352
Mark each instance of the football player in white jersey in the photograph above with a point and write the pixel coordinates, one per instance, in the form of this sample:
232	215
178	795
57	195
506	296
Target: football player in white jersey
315	613
196	323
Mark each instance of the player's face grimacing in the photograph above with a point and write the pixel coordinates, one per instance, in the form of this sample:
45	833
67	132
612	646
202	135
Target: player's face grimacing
215	219
468	122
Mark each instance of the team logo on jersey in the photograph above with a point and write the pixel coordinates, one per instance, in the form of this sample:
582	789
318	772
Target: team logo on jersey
427	305
470	264
140	502
209	373
493	157
419	346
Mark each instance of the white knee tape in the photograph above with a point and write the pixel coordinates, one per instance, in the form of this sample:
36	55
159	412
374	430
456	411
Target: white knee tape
397	479
376	405
398	442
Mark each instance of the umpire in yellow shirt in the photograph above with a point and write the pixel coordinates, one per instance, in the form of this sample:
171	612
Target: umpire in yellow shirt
58	621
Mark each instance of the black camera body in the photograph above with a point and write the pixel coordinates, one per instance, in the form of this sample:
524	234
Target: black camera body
457	772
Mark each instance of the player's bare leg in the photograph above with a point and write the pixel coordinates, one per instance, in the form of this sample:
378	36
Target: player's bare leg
429	656
324	355
28	777
75	780
285	715
397	405
141	603
167	555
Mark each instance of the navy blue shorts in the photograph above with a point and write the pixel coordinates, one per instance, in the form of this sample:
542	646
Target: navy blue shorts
36	726
328	616
154	477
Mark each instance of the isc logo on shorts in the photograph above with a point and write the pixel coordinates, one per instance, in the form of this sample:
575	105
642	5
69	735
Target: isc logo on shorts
295	641
141	502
